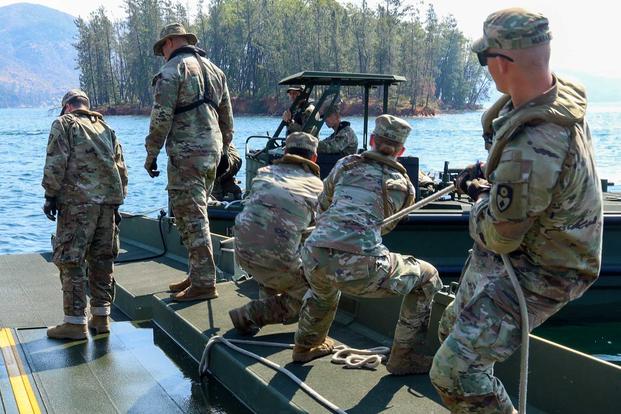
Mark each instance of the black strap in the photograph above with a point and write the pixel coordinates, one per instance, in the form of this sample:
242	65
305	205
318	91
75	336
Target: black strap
206	98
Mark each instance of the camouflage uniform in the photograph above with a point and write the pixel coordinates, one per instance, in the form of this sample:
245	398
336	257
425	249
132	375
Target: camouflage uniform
299	117
228	167
345	251
85	173
268	233
342	142
542	174
194	140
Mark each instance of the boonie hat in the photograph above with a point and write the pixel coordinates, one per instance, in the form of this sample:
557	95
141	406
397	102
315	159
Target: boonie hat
329	108
302	140
171	30
392	128
513	28
295	88
73	93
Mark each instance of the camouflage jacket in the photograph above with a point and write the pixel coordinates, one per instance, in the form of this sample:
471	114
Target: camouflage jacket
84	162
300	116
281	205
360	191
342	142
198	131
542	172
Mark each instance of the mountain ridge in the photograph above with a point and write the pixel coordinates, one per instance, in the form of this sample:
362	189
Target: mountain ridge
38	63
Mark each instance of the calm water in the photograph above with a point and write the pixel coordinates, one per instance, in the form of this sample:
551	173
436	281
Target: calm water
454	137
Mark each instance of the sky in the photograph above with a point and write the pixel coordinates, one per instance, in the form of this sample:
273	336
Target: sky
584	32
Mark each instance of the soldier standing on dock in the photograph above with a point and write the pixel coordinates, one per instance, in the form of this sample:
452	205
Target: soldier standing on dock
192	114
539	202
85	181
269	230
345	252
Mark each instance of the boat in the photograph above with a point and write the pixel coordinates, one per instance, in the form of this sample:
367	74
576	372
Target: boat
134	369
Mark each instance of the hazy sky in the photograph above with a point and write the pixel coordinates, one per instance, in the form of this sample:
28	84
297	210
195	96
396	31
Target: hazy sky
585	35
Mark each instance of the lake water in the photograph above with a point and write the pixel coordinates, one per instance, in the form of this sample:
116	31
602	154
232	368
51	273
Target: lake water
24	134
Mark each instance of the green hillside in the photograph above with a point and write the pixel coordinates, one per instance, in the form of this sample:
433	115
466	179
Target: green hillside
38	61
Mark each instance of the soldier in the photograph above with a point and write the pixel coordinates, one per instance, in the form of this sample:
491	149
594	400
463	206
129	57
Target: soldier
225	185
302	111
192	114
85	181
345	251
343	140
269	230
544	210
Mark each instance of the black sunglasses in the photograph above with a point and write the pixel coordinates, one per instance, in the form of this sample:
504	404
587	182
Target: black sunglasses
484	55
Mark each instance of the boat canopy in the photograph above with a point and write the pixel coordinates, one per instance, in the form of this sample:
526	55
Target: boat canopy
342	78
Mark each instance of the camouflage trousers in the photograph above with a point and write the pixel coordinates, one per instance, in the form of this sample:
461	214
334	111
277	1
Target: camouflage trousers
86	237
281	293
480	327
329	272
190	180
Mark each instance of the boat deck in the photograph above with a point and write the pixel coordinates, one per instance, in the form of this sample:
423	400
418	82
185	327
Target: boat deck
127	373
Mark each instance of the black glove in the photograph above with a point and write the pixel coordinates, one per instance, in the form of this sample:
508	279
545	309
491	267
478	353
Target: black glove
471	172
477	187
117	216
49	208
151	166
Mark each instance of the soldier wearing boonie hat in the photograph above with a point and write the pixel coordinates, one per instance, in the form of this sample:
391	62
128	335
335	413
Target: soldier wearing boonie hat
343	140
538	200
267	240
296	117
193	117
345	252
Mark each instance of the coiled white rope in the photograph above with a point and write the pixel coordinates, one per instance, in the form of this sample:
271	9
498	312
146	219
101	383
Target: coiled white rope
359	358
525	331
351	357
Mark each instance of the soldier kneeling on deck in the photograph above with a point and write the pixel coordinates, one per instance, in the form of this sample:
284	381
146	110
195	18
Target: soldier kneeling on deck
85	181
345	252
269	230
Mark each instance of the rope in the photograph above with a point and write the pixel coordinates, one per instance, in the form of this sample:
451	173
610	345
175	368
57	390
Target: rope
525	331
204	366
359	358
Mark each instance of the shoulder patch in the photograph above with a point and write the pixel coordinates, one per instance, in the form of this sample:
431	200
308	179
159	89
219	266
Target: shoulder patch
504	197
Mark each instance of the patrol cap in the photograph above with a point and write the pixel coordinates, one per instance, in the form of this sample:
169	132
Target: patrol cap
392	128
513	28
73	93
172	30
302	140
299	88
328	108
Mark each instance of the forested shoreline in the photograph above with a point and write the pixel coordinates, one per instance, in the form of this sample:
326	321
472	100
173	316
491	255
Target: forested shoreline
258	42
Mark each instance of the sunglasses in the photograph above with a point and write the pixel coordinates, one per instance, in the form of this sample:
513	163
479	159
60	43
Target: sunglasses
484	55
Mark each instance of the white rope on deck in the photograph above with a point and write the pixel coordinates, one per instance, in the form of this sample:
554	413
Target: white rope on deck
351	357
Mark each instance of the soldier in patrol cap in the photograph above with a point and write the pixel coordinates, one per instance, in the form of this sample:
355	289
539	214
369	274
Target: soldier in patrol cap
269	230
343	140
192	115
85	181
538	201
345	252
296	120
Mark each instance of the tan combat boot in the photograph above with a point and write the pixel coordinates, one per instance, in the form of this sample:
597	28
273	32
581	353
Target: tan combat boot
179	286
242	322
195	293
67	331
405	360
306	354
99	324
